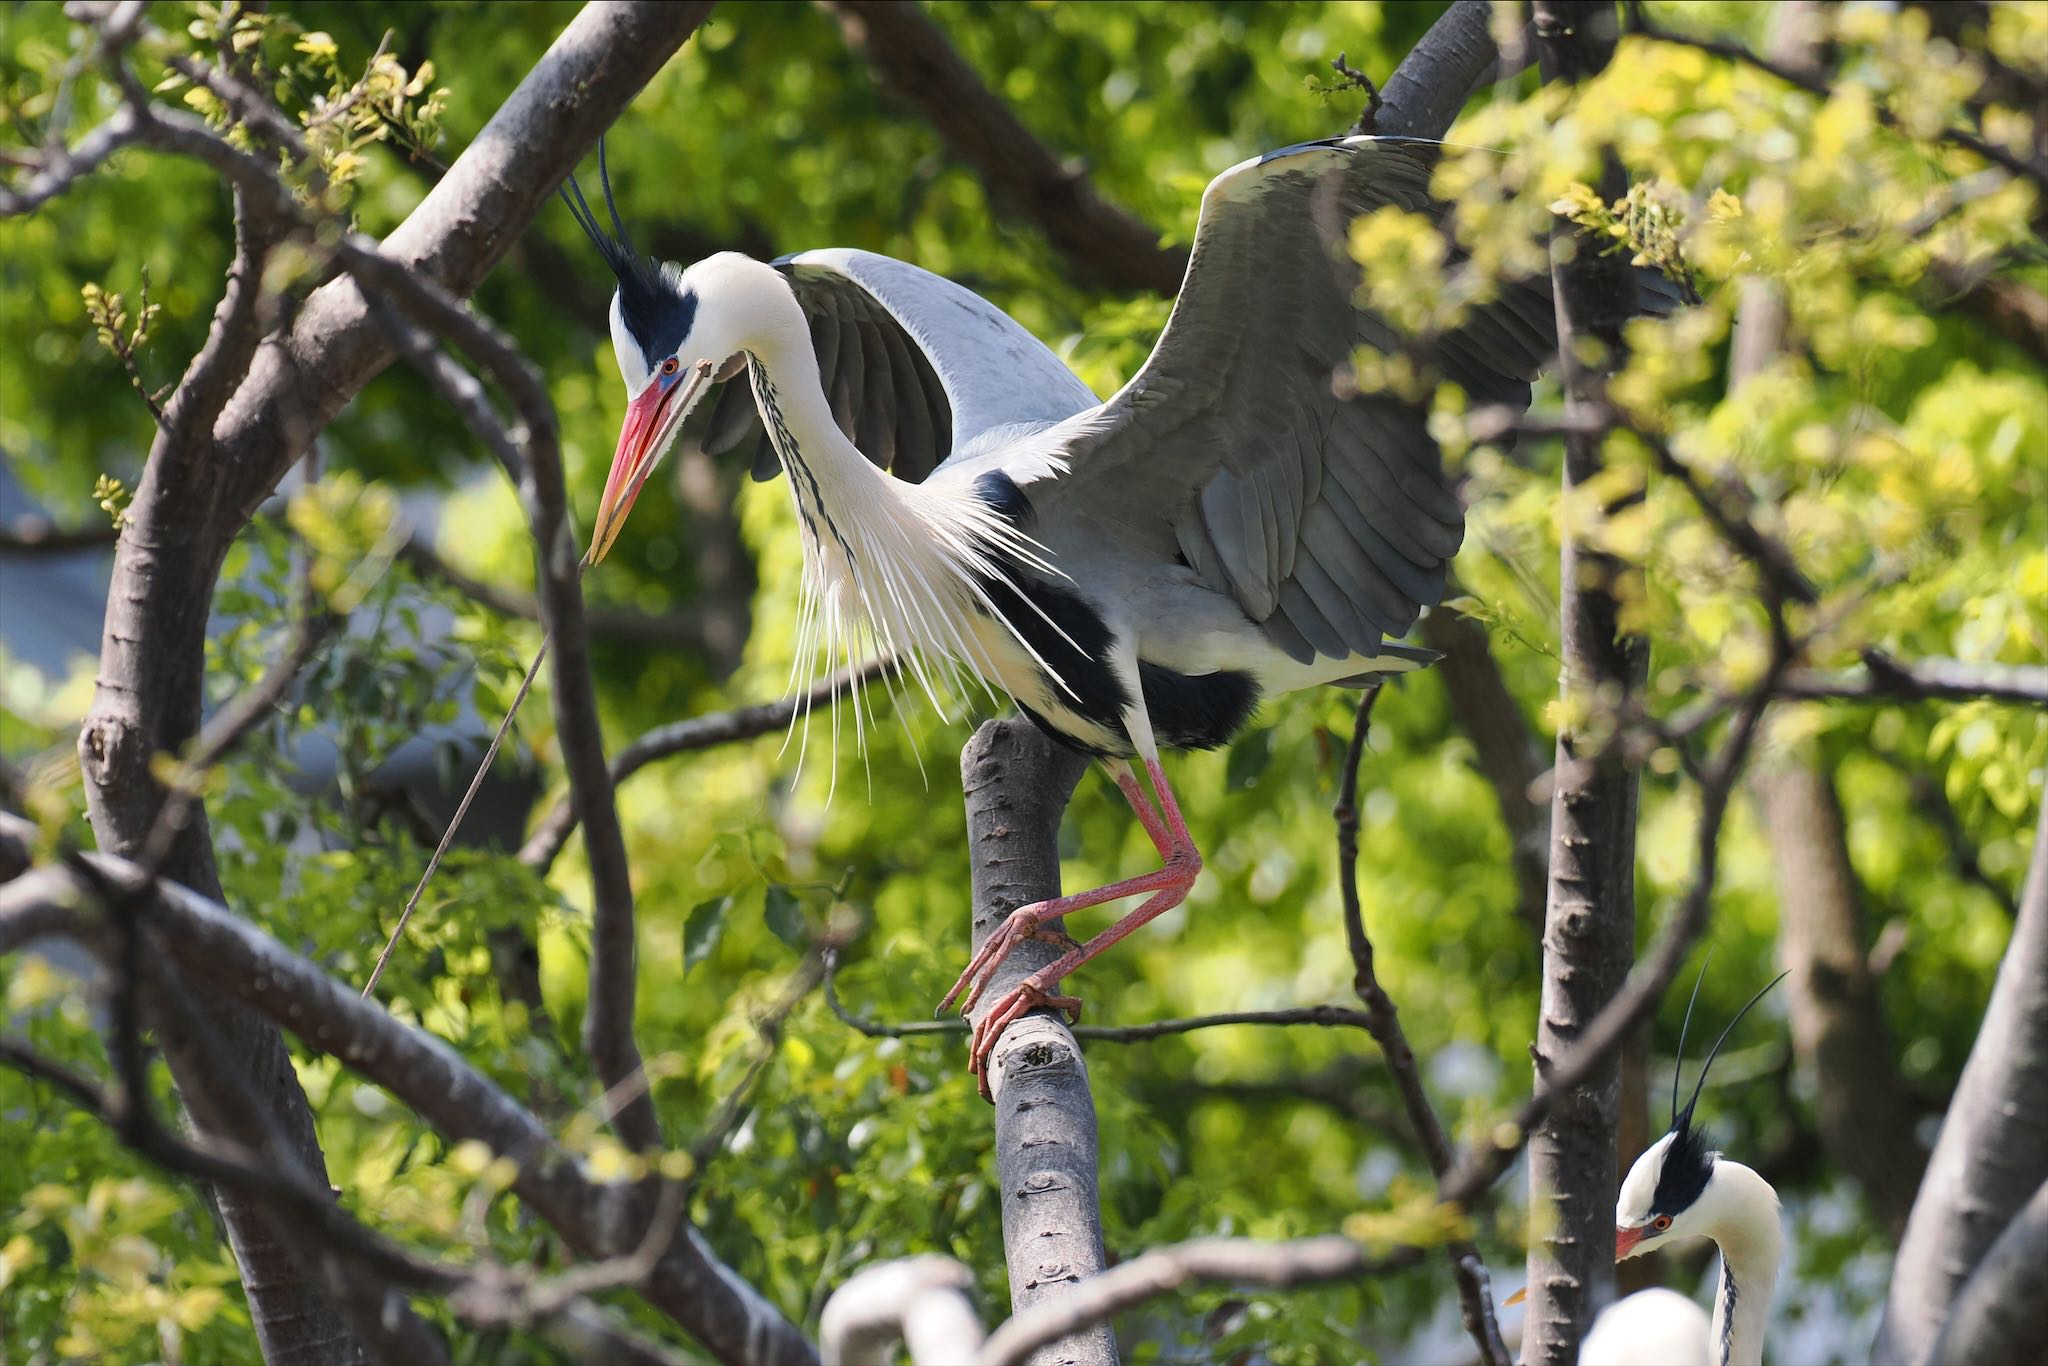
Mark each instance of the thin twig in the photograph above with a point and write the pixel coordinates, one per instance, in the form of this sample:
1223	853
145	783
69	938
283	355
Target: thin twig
1384	1021
462	809
1330	1016
1233	1261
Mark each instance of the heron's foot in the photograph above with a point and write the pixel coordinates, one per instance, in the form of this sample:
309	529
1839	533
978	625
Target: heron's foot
1026	922
1013	1005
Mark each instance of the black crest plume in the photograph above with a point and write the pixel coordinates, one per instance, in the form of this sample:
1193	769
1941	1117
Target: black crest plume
1682	1120
655	312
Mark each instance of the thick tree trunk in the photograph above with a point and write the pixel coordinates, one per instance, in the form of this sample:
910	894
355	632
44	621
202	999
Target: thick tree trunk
1589	927
203	480
1992	1156
1017	783
1864	1115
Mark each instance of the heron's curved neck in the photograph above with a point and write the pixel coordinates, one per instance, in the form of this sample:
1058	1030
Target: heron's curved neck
789	389
910	562
1752	1240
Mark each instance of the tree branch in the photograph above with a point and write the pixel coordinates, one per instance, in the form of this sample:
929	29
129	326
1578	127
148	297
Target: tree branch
1992	1155
1017	782
1332	1016
1384	1021
1163	1270
1589	922
221	954
1886	679
913	61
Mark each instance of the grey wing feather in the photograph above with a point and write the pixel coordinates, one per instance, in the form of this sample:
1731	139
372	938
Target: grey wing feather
1330	521
915	367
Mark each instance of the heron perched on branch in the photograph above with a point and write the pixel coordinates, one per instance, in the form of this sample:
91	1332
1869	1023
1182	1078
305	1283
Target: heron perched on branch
1137	574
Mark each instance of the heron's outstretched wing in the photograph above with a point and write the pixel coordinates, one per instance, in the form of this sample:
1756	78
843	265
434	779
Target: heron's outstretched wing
914	366
1329	519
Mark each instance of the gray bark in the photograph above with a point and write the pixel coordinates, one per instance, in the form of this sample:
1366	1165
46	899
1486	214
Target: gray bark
1589	925
1863	1113
202	483
2002	1314
1017	783
1992	1155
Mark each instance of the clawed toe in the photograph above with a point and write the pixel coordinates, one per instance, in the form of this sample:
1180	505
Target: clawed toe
1011	1007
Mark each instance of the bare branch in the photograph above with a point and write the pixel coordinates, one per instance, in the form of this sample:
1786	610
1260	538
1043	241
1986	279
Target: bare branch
1016	782
219	953
65	167
913	60
2002	1312
483	1295
1590	910
1886	679
1384	1021
1992	1155
1232	1261
1341	1017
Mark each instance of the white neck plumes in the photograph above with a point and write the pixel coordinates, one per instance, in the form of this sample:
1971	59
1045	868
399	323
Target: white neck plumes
1742	1217
903	569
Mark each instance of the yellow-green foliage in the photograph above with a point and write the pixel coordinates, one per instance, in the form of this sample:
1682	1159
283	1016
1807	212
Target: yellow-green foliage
1896	443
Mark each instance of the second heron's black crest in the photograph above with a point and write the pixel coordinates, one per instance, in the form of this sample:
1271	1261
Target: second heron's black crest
1688	1163
656	310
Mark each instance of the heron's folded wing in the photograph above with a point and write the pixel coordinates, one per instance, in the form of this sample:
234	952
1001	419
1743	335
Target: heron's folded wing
1329	518
914	366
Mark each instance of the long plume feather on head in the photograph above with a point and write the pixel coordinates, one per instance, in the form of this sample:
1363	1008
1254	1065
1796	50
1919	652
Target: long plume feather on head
1683	1120
649	304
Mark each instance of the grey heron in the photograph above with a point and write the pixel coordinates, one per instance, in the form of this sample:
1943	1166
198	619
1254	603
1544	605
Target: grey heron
1680	1189
1137	574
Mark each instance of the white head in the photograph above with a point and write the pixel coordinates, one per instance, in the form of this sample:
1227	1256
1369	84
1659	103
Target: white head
675	333
1679	1188
1666	1195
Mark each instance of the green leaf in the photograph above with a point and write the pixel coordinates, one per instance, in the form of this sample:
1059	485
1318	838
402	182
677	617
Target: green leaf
700	930
785	918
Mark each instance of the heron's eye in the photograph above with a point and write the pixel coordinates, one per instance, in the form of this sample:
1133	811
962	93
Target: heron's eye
670	366
1661	1222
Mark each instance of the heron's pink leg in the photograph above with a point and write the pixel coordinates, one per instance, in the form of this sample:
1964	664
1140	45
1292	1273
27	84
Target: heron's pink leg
1169	887
1182	862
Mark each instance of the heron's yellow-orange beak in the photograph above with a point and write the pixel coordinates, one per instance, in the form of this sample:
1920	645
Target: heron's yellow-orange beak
631	464
1625	1240
644	437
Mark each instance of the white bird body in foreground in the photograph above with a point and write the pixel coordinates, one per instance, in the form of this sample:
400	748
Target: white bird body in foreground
1136	573
1655	1325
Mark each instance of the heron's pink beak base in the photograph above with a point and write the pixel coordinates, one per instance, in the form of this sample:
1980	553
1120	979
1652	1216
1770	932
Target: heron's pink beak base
640	442
1625	1240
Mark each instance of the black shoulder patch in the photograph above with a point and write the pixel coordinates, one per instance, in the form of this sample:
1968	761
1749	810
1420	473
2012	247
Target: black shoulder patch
1005	499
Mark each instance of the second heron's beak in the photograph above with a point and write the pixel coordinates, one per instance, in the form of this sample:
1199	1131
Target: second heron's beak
648	431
